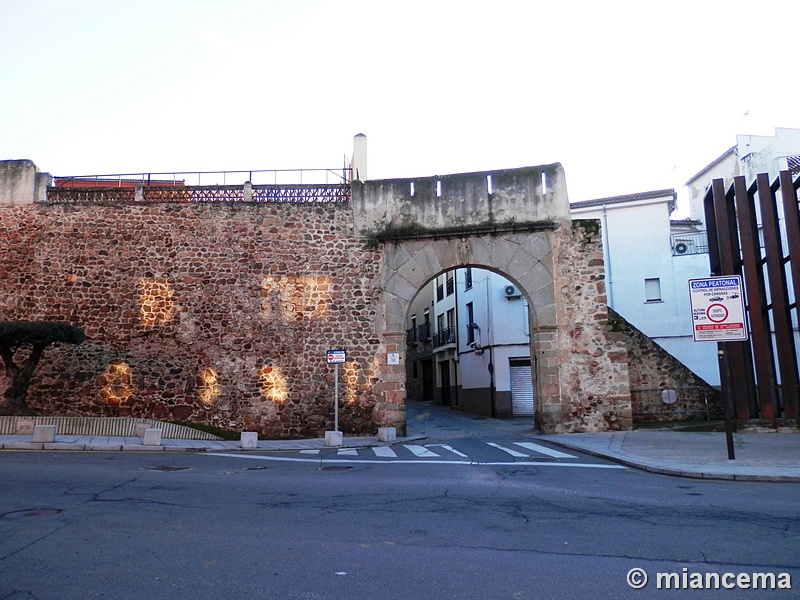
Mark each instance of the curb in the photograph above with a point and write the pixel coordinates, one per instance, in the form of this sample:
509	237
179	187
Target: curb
676	472
195	447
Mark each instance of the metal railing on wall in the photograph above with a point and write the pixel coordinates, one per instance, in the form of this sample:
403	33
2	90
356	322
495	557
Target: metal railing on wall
289	185
443	337
686	244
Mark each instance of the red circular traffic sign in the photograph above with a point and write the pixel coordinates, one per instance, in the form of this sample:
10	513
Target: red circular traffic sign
717	313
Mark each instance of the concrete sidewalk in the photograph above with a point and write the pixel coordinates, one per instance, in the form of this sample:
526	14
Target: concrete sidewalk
104	443
702	455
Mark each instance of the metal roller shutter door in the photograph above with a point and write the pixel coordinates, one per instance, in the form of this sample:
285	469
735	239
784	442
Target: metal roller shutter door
521	388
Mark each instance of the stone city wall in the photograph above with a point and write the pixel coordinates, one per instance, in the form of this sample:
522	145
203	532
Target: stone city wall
652	370
221	312
593	365
211	313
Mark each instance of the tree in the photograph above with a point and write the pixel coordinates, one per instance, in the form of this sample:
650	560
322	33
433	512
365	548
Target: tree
34	335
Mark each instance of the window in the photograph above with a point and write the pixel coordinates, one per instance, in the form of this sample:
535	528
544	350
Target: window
414	328
652	290
450	285
439	290
468	278
470	323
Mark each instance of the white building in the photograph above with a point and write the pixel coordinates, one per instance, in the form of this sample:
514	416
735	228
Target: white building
647	274
649	258
752	154
478	356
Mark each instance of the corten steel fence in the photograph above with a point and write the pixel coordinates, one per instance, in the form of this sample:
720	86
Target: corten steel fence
762	374
655	404
297	185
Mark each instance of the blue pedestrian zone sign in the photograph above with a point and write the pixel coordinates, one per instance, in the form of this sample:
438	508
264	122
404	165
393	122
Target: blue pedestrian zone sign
718	313
337	357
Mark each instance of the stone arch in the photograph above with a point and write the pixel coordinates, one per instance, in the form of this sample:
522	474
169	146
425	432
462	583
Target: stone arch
516	222
524	258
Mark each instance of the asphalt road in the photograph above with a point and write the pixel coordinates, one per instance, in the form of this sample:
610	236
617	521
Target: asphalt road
183	525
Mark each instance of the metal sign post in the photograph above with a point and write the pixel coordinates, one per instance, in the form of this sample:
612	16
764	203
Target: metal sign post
336	358
718	316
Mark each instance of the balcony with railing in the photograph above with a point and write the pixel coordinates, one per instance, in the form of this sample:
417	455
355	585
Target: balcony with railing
419	334
444	337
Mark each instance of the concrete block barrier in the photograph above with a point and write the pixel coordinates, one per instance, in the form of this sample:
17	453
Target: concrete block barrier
387	434
152	437
249	439
44	433
333	438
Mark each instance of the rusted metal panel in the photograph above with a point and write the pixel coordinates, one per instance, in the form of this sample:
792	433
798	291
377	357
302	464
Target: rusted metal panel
711	229
787	361
740	367
792	218
731	217
755	289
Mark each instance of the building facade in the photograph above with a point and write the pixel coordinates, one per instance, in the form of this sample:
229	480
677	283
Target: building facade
649	256
478	355
647	275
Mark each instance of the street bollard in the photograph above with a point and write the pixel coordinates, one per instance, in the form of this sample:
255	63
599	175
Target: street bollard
44	433
249	439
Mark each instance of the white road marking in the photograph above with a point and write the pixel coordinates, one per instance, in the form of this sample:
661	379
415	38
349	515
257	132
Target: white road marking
413	462
347	452
309	451
513	453
421	451
384	451
544	450
450	448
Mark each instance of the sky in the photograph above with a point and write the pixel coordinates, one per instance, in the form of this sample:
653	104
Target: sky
628	96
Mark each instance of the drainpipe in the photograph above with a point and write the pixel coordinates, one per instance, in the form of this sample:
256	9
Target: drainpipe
490	339
607	252
491	383
458	345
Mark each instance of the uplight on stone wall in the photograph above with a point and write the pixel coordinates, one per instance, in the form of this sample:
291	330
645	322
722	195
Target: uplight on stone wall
155	302
115	383
209	387
289	298
273	384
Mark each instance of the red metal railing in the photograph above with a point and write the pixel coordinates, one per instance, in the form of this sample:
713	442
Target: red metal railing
295	185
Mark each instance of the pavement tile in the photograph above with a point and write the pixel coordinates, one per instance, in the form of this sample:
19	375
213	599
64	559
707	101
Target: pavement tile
23	446
70	446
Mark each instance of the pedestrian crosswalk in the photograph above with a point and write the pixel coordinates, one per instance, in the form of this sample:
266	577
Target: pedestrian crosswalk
517	450
457	452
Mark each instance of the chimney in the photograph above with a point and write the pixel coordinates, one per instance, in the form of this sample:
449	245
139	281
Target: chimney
359	162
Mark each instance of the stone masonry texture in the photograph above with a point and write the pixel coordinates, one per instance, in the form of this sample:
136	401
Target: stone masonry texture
211	313
221	313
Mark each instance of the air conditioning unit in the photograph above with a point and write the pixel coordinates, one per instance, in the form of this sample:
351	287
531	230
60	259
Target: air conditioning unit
512	292
681	248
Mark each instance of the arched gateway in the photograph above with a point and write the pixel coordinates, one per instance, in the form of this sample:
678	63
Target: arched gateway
516	222
216	304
